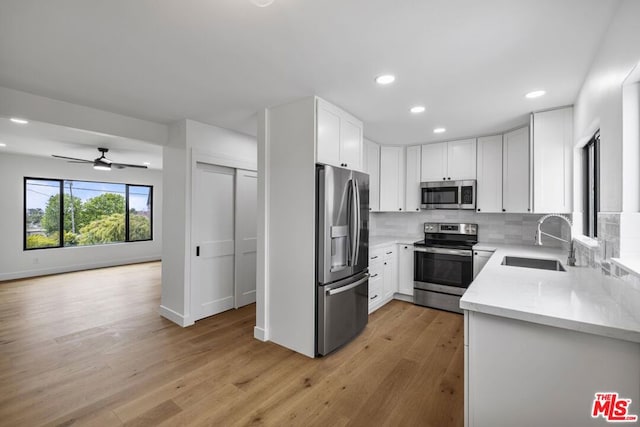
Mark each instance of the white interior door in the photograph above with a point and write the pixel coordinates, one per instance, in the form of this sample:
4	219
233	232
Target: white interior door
246	224
213	237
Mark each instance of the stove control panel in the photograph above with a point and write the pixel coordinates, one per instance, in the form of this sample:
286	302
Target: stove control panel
450	228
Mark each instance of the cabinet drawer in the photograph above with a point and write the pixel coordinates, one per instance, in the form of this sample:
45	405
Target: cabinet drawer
375	290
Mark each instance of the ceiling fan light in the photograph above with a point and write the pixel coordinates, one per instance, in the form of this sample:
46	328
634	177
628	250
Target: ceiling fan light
101	166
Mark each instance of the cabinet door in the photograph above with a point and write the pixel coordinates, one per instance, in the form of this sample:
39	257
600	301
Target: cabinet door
390	274
391	179
328	134
372	167
489	188
412	194
434	162
480	259
552	160
351	142
461	159
515	171
405	269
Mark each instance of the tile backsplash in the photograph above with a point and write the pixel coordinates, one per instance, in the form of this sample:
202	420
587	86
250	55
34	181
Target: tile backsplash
623	285
509	228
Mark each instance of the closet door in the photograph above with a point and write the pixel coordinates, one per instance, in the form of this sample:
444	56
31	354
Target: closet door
246	224
213	237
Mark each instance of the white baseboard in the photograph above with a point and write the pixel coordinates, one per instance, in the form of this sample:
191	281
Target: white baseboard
77	267
175	317
403	297
259	334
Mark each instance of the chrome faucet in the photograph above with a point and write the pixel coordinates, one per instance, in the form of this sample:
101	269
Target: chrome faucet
571	260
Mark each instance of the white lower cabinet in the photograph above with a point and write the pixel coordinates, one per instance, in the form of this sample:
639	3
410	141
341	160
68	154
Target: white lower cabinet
383	272
405	269
390	272
480	259
375	285
519	373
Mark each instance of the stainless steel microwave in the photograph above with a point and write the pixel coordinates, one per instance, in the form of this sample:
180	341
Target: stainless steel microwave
448	194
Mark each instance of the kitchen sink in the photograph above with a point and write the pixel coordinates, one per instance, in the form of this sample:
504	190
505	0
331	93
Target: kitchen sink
540	264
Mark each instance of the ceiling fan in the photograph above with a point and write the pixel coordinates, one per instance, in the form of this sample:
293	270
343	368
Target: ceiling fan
101	163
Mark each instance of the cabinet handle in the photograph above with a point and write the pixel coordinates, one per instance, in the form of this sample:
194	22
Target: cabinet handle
385	263
406	247
528	209
444	179
399	209
374	275
478	210
449	178
197	250
475	253
417	209
504	210
389	253
374	257
373	297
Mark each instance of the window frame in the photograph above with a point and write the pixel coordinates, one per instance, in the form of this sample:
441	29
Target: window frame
61	182
591	185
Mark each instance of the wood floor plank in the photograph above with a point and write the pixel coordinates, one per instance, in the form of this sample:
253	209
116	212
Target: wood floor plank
88	348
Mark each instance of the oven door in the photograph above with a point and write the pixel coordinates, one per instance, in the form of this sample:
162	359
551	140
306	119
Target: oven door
439	195
443	267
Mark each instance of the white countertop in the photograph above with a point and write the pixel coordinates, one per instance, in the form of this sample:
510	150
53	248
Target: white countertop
575	299
380	241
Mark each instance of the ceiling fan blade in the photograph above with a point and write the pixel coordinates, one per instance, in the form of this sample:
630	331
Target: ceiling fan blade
125	165
72	158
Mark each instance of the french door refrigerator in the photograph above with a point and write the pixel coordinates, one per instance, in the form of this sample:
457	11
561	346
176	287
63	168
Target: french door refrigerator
342	256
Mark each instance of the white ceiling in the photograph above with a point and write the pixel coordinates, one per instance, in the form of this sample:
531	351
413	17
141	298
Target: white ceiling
219	61
43	139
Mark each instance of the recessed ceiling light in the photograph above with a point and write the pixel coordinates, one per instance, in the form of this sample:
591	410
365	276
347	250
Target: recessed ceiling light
2	144
262	3
439	130
19	121
535	94
146	163
417	109
385	79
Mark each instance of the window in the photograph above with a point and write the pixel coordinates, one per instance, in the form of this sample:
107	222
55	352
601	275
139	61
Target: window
591	168
61	213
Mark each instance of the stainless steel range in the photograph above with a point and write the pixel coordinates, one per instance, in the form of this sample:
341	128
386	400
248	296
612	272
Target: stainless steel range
444	265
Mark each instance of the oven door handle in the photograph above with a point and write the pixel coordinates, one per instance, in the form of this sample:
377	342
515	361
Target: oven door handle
444	251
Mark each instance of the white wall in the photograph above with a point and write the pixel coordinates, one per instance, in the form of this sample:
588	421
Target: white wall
17	263
599	103
189	142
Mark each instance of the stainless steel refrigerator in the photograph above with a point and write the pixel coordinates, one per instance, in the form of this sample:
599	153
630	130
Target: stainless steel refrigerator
342	256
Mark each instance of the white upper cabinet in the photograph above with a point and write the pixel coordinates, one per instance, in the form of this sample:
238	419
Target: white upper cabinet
392	178
453	160
461	159
412	194
434	162
489	188
372	167
552	148
515	171
339	137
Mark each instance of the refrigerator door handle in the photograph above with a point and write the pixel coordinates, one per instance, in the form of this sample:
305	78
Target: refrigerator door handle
353	222
356	192
341	289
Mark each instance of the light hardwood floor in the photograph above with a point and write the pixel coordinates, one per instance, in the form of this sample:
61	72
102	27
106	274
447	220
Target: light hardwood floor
89	348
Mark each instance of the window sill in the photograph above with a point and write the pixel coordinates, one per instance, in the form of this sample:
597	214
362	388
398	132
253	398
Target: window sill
586	241
630	264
